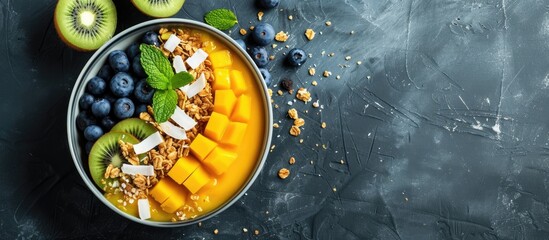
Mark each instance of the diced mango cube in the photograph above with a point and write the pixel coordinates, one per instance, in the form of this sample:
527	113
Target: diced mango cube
216	126
164	189
224	101
238	84
183	169
243	108
202	146
219	160
175	201
221	59
197	180
234	134
222	79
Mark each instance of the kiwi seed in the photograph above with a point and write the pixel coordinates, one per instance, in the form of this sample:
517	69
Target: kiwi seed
159	8
85	24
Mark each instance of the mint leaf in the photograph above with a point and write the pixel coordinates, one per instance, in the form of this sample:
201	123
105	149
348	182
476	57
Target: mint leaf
181	79
164	102
222	19
157	67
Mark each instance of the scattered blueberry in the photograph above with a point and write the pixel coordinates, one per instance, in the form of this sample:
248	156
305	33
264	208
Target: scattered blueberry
96	86
268	4
137	68
86	101
151	38
84	119
132	50
266	75
119	61
105	72
139	109
92	133
143	92
107	123
296	57
241	43
123	108
121	84
263	34
101	108
88	147
260	56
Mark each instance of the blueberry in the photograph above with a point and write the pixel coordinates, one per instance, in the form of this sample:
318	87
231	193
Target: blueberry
132	50
266	75
84	119
107	123
123	108
296	57
105	72
241	43
119	61
101	108
137	68
143	92
88	147
86	101
121	84
139	109
263	34
151	38
268	4
260	56
93	132
96	86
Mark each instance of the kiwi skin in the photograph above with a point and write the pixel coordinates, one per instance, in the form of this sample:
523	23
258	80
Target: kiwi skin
136	127
106	151
61	32
153	11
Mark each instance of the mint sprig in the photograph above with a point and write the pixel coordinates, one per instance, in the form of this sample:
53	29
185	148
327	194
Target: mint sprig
162	78
222	18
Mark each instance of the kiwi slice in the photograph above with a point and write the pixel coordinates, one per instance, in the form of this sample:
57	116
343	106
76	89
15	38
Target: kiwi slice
85	24
106	151
159	8
136	127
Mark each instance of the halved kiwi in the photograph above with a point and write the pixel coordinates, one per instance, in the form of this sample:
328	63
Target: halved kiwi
106	151
136	127
159	8
85	24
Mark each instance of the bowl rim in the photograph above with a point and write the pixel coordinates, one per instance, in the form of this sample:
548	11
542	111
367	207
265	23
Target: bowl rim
73	106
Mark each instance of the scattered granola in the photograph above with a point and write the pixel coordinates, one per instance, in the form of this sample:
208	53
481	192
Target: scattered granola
243	31
292	113
299	122
327	73
274	45
312	71
275	125
323	125
259	15
291	161
216	231
281	36
256	232
358	62
283	173
303	95
316	104
245	230
328	23
338	77
314	83
272	57
290	17
280	92
310	34
348	58
295	131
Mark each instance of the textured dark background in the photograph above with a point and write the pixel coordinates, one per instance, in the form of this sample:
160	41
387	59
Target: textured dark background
443	127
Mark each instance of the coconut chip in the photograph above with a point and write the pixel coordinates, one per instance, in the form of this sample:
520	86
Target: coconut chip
197	58
172	43
148	143
144	208
178	64
182	119
145	170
